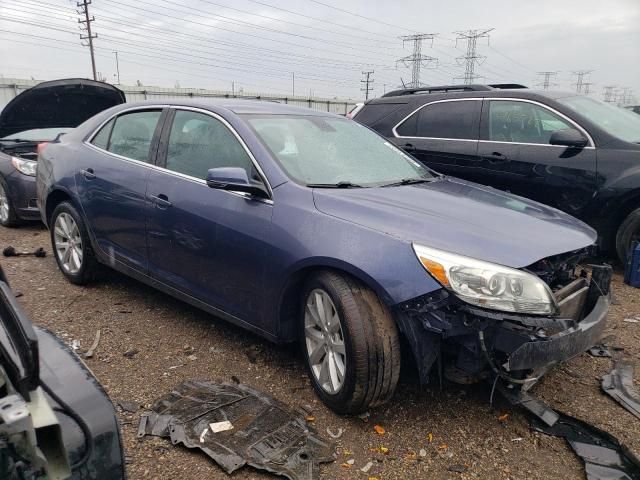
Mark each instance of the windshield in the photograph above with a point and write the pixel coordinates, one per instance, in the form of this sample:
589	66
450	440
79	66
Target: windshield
37	134
616	121
329	151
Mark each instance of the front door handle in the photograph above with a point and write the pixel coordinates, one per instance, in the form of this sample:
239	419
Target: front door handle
161	201
496	156
88	174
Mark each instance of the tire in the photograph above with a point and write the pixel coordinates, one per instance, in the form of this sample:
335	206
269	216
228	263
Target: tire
75	236
628	231
370	354
8	215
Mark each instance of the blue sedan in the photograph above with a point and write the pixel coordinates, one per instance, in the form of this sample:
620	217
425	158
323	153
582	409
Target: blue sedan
305	226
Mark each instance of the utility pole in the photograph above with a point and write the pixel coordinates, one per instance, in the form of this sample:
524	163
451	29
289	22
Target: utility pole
417	60
84	6
117	66
609	93
546	82
471	59
368	84
580	74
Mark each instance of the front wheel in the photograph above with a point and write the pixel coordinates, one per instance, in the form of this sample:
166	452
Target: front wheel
71	245
8	216
628	232
350	343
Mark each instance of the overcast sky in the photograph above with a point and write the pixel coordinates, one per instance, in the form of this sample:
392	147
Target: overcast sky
326	44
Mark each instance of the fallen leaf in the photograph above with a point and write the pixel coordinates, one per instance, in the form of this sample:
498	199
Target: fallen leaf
379	430
503	417
383	450
430	437
347	452
373	478
345	465
443	447
310	418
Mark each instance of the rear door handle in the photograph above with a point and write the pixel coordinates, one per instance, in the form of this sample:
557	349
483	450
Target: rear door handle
161	201
409	147
496	156
88	174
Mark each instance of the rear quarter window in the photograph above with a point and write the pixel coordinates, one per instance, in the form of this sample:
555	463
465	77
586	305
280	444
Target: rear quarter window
372	113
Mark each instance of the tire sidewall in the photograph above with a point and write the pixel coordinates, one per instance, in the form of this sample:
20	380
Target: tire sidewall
629	226
83	275
12	220
339	400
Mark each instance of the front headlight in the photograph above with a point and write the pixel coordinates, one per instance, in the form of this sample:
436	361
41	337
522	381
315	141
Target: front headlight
28	167
487	284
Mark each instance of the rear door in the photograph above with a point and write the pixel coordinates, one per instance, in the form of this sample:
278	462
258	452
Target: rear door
207	243
442	134
112	183
516	156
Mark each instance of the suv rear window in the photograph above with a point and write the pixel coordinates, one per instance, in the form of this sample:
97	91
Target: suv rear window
449	119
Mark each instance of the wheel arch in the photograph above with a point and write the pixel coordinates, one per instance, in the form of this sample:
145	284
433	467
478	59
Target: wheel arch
619	210
289	297
55	198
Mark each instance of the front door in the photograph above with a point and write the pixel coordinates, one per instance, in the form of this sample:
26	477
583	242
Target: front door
442	135
205	242
516	156
112	184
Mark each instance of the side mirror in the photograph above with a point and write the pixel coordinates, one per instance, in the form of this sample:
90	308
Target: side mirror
569	137
234	179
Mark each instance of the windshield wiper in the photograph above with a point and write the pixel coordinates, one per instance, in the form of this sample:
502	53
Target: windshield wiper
408	181
334	185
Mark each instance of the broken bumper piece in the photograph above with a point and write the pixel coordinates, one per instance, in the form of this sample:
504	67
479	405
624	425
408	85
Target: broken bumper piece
471	343
236	425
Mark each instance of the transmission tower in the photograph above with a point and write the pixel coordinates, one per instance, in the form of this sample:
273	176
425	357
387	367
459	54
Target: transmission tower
546	81
586	87
368	83
471	59
417	60
625	96
609	93
580	74
84	11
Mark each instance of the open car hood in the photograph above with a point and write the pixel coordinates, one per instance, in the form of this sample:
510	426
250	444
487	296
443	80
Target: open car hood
58	104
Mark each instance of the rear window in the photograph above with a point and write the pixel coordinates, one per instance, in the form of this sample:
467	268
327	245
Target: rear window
451	119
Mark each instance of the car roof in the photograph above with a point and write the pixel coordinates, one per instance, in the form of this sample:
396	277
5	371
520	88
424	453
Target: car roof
237	105
425	97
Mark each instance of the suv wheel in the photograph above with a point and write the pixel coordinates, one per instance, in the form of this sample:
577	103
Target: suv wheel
628	232
8	216
350	344
71	246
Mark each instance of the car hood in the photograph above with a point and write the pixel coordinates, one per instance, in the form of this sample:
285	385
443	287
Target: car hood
461	217
58	104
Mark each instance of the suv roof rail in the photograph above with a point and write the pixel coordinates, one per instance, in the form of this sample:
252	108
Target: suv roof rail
452	88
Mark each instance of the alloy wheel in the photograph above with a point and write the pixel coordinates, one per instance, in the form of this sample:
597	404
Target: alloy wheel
325	341
4	205
68	243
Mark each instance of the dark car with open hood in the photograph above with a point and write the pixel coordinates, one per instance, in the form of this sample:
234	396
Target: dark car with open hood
303	225
36	116
56	421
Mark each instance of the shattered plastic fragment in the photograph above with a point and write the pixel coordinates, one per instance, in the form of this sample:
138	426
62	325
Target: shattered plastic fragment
619	385
220	426
335	435
367	467
266	434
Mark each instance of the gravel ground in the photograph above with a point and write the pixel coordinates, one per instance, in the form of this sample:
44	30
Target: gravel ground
453	433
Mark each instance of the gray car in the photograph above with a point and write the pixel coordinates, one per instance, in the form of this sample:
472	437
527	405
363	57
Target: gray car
37	116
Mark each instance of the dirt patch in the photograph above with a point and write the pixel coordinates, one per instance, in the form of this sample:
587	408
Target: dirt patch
429	433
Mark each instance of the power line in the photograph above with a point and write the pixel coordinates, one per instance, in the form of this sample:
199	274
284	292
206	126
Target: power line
368	83
471	59
546	82
84	6
580	74
417	60
360	16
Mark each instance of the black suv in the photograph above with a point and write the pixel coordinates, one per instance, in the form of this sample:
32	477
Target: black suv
569	151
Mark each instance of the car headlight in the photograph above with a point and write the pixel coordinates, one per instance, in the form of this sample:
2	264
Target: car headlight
487	284
28	167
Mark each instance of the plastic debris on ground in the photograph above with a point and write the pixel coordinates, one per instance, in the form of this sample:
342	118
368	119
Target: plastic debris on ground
265	433
619	385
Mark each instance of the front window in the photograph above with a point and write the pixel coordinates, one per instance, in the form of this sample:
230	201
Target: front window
616	121
330	151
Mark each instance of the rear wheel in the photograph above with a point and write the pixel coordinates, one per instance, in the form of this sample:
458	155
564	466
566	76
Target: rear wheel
71	246
8	216
628	232
350	344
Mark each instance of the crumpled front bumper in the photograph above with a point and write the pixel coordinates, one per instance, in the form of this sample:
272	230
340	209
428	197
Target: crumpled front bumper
563	345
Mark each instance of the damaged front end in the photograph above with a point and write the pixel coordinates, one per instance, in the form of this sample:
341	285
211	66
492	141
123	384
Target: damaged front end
469	343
